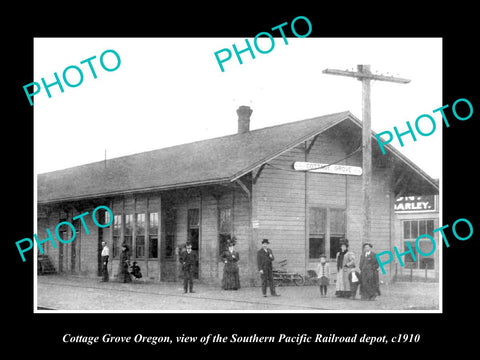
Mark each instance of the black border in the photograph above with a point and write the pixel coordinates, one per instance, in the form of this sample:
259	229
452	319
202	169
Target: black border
438	331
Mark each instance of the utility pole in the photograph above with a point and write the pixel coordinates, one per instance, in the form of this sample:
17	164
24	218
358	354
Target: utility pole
364	75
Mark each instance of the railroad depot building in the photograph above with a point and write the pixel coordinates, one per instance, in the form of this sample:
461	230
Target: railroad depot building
250	185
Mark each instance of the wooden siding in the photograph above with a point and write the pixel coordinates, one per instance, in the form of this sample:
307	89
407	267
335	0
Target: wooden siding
281	203
280	209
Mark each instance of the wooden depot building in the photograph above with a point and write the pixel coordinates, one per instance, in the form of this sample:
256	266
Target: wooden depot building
264	183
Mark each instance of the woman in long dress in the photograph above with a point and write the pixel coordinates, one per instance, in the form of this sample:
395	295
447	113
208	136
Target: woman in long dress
123	273
345	264
230	258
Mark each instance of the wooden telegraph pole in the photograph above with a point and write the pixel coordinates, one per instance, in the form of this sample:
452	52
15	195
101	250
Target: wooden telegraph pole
364	75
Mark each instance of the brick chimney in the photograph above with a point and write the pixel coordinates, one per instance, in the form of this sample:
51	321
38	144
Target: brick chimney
244	113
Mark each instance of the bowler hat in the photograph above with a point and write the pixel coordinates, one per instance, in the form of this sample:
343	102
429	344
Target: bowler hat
367	243
265	241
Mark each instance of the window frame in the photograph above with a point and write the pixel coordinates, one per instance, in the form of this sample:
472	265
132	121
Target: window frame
420	263
328	233
224	236
117	235
139	245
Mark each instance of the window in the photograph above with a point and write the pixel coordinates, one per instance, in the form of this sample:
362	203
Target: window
224	228
193	218
337	230
107	218
64	230
411	230
170	230
117	225
140	235
153	235
326	229
193	227
102	217
316	239
128	231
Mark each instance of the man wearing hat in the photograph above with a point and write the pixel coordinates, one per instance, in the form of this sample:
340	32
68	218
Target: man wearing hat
264	262
369	287
188	259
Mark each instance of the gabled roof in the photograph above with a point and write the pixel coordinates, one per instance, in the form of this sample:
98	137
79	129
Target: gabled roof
218	160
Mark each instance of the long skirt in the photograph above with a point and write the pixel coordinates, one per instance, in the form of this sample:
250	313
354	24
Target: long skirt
369	287
343	285
231	277
123	274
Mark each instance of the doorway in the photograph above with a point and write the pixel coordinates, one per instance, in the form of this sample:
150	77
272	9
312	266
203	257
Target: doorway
193	236
101	217
73	245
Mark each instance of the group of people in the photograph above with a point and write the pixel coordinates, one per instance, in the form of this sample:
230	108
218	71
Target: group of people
126	270
349	276
230	258
348	279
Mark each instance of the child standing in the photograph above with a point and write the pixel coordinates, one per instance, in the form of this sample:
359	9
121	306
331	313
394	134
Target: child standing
354	279
323	272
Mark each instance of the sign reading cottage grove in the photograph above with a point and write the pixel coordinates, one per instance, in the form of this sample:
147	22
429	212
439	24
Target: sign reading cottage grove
326	168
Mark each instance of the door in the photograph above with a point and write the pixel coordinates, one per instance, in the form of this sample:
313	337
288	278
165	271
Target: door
101	217
60	257
193	236
99	251
74	244
73	256
61	248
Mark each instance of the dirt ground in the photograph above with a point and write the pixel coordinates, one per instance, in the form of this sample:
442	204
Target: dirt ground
73	293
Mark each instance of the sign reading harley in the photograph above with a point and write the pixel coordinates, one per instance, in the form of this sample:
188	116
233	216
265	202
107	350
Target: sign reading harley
415	203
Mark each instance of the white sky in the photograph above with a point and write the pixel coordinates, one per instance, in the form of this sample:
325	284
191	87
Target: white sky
170	91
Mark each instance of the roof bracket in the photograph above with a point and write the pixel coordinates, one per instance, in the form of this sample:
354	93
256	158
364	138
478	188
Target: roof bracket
244	188
258	173
307	149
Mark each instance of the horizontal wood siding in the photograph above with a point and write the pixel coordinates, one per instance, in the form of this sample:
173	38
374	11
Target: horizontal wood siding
279	200
209	242
280	209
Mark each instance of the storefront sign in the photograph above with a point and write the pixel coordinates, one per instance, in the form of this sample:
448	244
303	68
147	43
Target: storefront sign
325	168
415	203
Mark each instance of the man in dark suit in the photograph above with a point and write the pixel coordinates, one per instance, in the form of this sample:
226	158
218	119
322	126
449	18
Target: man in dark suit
188	259
369	286
264	262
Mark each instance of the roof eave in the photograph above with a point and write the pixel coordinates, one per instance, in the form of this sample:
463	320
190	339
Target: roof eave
287	148
136	191
402	157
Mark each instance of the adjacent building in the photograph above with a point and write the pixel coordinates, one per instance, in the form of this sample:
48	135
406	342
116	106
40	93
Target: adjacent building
417	215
